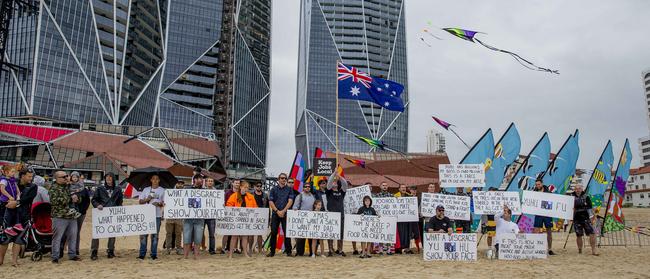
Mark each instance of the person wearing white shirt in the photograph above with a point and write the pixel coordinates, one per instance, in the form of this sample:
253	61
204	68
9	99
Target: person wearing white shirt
505	225
153	195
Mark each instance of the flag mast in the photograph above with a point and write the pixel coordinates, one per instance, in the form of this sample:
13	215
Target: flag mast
337	111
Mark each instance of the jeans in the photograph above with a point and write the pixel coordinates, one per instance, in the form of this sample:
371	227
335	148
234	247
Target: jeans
276	221
94	245
64	228
174	230
193	231
211	223
80	222
154	241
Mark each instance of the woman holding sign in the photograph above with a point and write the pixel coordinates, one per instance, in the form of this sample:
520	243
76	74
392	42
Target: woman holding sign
241	199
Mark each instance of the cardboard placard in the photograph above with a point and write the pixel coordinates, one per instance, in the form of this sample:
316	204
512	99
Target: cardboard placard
405	209
491	202
313	224
243	221
370	228
193	203
461	175
124	221
547	204
522	246
354	198
454	247
456	207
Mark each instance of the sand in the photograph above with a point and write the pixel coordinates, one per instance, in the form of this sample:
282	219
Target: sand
615	262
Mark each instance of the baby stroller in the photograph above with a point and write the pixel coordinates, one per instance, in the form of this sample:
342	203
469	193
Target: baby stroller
39	231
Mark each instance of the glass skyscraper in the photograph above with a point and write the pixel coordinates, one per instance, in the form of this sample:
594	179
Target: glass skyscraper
200	66
367	34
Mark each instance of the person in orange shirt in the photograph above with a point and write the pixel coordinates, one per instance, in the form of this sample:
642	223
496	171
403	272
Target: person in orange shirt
241	199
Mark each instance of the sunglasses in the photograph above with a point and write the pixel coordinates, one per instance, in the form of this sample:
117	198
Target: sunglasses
282	178
65	176
441	210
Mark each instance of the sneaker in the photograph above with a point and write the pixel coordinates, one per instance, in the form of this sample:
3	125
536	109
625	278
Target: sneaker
343	254
551	253
111	254
55	261
153	258
76	259
323	256
93	256
368	256
329	254
141	258
10	232
270	255
313	255
179	251
362	256
19	227
355	252
390	253
212	253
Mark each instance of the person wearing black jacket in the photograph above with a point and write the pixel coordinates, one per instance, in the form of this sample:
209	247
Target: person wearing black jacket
107	195
367	210
335	195
23	204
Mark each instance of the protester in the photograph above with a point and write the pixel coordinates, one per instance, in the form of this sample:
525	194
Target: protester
64	217
416	227
463	226
439	223
336	188
321	192
404	229
9	192
583	217
544	222
22	205
318	206
225	242
367	210
489	226
504	225
388	248
241	199
210	223
154	195
78	188
174	230
107	195
193	228
304	201
280	200
262	200
42	194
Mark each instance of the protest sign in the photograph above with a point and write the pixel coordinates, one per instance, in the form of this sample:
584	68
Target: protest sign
243	221
522	246
313	224
454	247
324	166
456	207
461	175
193	203
547	204
405	209
354	198
124	221
491	202
363	228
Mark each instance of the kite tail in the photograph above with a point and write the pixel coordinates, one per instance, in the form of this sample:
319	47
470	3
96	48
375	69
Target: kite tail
527	64
425	42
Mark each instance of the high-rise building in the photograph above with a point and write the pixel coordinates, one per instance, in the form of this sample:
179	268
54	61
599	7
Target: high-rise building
436	142
644	142
200	66
369	35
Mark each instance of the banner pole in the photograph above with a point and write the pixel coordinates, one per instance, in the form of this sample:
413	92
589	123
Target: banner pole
337	112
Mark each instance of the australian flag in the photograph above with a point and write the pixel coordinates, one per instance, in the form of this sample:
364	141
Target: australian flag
356	85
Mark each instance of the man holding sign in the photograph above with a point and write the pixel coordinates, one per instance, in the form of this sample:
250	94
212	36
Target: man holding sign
544	221
193	228
153	195
505	225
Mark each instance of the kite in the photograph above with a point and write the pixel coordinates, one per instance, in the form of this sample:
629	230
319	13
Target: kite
447	127
373	143
358	163
470	36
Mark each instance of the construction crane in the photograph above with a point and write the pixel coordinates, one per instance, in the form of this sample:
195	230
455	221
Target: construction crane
7	8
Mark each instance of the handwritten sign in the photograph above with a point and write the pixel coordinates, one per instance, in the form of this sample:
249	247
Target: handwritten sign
363	228
456	207
124	221
491	202
522	246
243	221
313	224
455	247
324	166
354	198
547	204
462	175
193	203
405	209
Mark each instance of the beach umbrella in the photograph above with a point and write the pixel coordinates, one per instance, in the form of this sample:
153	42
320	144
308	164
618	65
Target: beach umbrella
141	178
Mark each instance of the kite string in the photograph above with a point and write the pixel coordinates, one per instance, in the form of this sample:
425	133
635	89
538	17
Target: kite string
529	65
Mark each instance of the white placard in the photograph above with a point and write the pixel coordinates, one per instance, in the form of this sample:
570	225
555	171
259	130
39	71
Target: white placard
354	198
124	221
522	246
454	247
456	207
491	202
461	175
313	224
547	204
243	221
405	209
363	228
193	203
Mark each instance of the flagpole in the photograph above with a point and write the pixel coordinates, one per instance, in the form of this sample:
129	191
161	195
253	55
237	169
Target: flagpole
337	112
611	191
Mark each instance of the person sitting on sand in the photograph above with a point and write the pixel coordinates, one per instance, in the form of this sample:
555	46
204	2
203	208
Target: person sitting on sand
439	223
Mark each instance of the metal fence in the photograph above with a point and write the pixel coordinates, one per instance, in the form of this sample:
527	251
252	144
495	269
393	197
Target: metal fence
636	233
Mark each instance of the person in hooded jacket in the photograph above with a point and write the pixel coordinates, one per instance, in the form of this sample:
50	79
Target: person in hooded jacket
107	195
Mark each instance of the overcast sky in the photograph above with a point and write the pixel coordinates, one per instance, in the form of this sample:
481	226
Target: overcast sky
600	47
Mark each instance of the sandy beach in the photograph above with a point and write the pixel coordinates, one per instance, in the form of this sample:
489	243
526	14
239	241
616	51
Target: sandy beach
616	262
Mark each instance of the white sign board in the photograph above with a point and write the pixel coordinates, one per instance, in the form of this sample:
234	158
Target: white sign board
461	175
243	221
454	247
547	204
193	204
456	207
363	228
405	209
491	202
522	246
124	221
354	198
313	224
